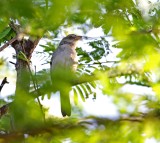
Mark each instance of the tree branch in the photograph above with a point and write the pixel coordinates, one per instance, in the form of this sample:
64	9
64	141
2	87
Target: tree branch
8	43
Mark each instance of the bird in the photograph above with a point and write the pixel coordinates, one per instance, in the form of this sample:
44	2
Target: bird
64	63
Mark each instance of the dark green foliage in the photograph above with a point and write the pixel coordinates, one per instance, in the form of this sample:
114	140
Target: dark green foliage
6	35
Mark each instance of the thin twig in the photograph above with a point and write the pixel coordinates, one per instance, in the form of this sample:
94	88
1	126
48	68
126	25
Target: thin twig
37	90
4	81
4	108
98	63
132	119
12	62
8	43
36	86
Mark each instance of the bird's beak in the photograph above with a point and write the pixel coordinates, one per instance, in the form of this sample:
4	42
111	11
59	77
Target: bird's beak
78	38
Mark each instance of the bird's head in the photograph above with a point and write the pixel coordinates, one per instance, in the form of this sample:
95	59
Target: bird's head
71	39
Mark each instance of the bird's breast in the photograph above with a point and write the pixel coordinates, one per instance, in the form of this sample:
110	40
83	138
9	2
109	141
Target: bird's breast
65	59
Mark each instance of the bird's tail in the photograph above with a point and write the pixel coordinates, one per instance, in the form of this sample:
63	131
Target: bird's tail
65	104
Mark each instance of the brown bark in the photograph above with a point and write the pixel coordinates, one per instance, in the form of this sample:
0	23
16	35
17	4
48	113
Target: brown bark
22	67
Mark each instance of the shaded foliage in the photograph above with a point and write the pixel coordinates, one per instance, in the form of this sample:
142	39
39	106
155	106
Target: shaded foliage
137	37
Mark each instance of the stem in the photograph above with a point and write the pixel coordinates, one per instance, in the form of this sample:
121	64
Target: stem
37	90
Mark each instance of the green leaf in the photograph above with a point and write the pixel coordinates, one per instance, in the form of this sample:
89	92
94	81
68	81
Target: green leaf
80	93
88	86
84	90
22	56
5	32
75	96
93	84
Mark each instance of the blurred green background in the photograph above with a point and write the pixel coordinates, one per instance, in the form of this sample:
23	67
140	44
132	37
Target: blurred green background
130	27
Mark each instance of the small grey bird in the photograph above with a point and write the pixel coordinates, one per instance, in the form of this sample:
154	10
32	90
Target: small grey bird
63	65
